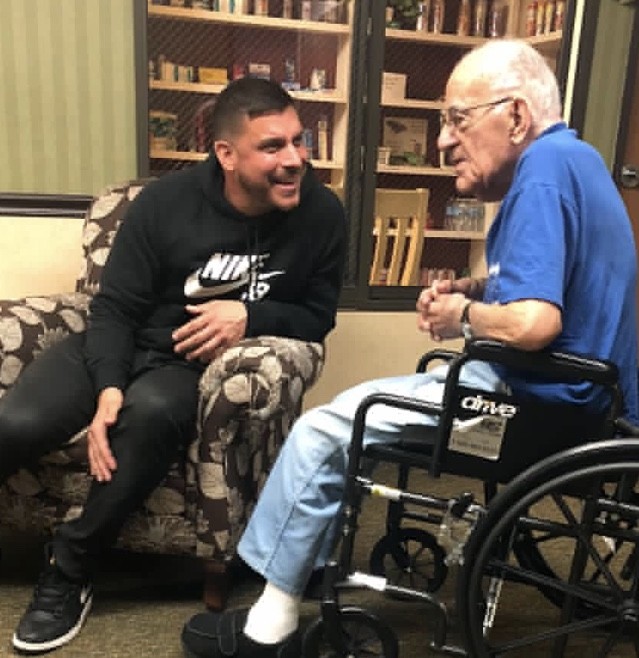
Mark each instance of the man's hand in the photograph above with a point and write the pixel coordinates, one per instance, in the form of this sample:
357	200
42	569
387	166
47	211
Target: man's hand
101	460
439	310
216	326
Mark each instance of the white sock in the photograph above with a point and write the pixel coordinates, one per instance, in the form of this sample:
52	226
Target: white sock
273	616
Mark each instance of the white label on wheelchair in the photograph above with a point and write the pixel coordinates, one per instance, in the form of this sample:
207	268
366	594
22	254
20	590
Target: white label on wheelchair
481	436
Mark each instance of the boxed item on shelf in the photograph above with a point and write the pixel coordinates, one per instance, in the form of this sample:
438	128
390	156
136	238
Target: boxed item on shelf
162	130
212	75
393	86
406	138
257	70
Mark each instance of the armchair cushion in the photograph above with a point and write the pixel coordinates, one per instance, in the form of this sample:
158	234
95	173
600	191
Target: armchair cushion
102	221
28	326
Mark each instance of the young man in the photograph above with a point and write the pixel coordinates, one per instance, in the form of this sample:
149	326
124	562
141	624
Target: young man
561	274
245	244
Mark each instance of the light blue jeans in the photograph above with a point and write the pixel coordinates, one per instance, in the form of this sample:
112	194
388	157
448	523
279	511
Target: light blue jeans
294	525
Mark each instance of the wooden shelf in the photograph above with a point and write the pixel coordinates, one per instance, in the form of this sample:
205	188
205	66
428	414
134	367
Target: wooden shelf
415	171
441	39
187	87
454	235
545	41
324	96
413	104
442	235
193	156
246	20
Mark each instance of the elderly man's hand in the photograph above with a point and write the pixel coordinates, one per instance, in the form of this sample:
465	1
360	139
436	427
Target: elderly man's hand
216	326
439	310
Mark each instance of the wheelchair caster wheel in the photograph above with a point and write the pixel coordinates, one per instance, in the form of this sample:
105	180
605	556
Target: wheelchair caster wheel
364	635
412	558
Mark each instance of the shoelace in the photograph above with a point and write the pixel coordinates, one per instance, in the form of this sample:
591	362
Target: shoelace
52	591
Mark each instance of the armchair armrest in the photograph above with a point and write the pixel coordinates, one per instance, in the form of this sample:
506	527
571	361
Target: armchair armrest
249	398
29	325
259	377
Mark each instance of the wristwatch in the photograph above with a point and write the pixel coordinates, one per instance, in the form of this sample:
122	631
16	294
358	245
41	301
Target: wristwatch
467	330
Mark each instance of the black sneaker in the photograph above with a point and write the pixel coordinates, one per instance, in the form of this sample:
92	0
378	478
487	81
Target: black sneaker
56	613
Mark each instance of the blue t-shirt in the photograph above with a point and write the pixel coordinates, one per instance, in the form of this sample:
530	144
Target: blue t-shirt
562	235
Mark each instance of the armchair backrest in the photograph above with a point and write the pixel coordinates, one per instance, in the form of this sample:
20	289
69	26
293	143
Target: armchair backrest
102	220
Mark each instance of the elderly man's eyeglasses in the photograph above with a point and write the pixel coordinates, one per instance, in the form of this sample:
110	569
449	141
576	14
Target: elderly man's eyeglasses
458	117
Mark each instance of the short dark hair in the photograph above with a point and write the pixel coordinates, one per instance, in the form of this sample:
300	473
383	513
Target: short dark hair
247	97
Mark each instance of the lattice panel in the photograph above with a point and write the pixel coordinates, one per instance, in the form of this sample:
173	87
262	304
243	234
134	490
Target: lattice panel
182	52
426	68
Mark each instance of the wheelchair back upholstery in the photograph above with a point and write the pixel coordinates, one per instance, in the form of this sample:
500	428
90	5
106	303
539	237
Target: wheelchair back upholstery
495	436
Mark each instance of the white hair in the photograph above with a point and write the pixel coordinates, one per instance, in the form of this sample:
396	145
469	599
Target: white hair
513	65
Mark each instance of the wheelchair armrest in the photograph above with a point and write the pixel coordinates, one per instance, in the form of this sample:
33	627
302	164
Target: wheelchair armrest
558	365
434	355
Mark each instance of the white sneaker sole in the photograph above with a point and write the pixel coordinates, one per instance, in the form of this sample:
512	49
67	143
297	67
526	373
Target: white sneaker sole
31	647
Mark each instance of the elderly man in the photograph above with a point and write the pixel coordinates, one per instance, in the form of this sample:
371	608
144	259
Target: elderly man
561	274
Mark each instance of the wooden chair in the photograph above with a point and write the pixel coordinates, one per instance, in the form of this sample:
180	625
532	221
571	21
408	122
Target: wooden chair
400	218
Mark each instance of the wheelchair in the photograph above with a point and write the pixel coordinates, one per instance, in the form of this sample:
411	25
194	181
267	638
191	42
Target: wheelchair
557	525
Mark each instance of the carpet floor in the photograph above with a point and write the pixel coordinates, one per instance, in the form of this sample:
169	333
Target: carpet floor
141	602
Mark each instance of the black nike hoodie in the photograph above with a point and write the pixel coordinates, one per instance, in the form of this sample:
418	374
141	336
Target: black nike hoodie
183	243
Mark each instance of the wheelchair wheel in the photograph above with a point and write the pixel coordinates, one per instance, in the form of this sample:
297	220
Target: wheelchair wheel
412	559
578	552
364	634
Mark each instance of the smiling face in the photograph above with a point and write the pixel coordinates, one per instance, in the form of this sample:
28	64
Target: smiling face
263	162
483	133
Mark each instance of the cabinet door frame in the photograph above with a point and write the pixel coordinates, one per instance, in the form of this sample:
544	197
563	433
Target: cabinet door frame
141	86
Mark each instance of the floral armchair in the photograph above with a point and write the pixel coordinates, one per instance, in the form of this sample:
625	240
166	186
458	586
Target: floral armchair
249	398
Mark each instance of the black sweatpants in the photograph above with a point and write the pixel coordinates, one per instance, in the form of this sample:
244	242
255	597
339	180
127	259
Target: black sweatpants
54	398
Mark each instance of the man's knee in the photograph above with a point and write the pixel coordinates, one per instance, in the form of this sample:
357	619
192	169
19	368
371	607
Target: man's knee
19	424
320	430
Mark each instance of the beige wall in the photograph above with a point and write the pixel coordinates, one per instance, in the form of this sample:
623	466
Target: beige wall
39	255
369	345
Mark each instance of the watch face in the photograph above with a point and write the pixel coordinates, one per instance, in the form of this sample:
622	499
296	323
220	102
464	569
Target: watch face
467	330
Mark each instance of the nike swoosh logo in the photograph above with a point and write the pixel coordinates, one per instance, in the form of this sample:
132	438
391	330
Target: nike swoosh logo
194	289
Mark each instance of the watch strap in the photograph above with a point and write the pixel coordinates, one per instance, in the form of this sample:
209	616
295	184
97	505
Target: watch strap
465	314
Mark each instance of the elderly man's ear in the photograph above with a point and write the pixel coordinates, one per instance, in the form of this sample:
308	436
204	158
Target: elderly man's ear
520	121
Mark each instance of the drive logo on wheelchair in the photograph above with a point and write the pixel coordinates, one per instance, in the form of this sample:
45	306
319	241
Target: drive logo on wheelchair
481	430
482	405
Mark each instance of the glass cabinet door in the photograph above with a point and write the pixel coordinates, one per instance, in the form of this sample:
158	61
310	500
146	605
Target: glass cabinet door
420	229
195	47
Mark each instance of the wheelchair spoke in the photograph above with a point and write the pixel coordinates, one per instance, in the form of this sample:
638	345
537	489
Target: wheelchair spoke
545	636
586	542
517	574
609	644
